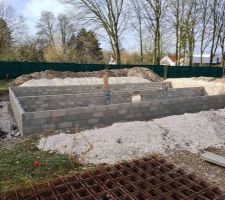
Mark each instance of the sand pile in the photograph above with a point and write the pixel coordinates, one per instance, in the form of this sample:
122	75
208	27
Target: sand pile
124	141
82	81
212	86
49	74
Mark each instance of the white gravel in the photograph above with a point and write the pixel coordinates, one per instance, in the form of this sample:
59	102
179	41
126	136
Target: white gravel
211	87
124	141
6	120
83	81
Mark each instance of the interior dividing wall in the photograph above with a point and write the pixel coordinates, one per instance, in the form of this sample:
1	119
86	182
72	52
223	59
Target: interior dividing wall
100	116
65	101
75	89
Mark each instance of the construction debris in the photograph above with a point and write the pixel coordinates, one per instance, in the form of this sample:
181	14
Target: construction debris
214	158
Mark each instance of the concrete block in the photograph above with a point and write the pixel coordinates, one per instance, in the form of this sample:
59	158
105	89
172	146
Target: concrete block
58	113
113	107
38	121
65	124
48	126
84	116
28	116
123	111
101	108
98	114
93	121
41	114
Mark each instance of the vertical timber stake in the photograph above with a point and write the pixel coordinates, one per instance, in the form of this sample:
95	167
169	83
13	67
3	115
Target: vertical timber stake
106	86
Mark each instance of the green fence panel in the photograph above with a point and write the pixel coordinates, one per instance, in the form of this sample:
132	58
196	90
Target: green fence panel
15	69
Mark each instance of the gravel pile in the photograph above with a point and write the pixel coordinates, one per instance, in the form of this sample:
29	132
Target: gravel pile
140	72
82	81
6	120
124	141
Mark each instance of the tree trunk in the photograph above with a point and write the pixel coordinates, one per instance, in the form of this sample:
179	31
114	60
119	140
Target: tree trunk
141	42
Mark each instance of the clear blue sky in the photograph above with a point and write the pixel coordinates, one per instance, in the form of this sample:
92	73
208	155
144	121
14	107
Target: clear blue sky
31	10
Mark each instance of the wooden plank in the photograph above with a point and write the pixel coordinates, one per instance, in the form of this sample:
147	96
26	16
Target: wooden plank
214	158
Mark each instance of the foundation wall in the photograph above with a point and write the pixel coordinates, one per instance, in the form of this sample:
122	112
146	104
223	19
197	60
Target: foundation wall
75	89
100	116
52	102
17	109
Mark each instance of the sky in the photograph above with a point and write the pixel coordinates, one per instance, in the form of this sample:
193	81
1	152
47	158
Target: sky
31	10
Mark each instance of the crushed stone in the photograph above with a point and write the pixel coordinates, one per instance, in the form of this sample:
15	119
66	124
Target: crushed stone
125	141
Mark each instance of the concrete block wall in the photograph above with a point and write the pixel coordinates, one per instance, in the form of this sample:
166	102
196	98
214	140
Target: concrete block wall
99	116
52	102
75	89
17	109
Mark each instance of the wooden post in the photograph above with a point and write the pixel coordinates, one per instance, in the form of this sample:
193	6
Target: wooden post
106	87
165	71
106	80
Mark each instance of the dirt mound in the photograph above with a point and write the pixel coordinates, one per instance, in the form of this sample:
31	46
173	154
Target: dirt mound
50	74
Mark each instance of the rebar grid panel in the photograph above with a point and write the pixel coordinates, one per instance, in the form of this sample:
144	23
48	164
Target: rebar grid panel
147	178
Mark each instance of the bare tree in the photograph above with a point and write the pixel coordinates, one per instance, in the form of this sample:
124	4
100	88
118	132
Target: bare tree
137	6
106	14
215	29
204	27
221	25
46	27
66	29
176	19
191	22
14	21
154	15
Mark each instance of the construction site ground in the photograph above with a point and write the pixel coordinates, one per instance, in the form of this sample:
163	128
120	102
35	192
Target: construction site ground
53	164
9	150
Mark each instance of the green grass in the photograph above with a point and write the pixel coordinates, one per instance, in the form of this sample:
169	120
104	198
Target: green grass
16	169
4	84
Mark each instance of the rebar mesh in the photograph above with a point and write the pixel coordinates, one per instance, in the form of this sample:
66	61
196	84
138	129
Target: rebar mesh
148	178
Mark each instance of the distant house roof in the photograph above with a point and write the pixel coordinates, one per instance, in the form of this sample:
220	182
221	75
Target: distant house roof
173	58
169	60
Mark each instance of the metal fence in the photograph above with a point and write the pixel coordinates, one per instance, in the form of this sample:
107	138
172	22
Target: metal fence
15	69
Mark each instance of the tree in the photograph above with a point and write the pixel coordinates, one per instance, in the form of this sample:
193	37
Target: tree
29	51
138	23
176	18
86	47
5	40
216	30
204	27
221	25
106	14
46	27
66	29
154	14
14	21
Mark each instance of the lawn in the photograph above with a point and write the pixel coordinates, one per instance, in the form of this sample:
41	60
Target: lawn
25	163
4	84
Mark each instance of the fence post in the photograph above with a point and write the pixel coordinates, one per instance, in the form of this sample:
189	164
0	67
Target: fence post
165	71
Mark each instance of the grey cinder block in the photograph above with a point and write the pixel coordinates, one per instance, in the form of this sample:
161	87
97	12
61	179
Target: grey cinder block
65	125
